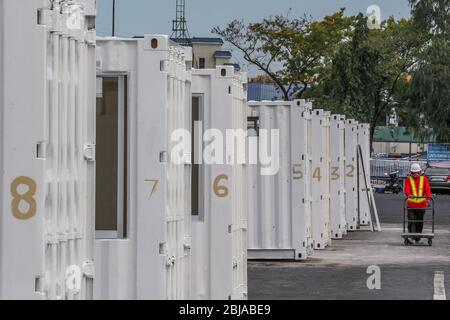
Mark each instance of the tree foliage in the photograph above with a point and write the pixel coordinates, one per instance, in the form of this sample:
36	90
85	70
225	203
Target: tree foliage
432	15
370	74
291	51
350	69
430	88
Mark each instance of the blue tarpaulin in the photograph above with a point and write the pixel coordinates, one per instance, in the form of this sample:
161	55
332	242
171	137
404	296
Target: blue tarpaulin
438	152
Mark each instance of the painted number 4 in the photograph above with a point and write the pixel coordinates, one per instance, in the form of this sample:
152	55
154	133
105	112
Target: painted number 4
23	191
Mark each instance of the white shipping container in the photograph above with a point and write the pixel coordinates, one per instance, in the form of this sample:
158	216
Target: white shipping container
351	175
143	197
320	179
47	149
303	190
219	195
280	205
337	148
364	190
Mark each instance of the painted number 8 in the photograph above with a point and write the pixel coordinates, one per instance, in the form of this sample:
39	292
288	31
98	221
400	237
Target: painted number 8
27	197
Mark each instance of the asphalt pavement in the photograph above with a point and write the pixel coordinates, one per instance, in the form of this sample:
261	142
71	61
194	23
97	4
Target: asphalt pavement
341	271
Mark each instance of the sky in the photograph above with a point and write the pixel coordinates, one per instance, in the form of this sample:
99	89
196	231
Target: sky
138	17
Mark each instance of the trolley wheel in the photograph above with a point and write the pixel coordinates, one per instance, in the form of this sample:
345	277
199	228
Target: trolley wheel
407	242
430	242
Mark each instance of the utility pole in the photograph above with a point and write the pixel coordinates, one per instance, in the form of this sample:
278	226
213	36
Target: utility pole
114	18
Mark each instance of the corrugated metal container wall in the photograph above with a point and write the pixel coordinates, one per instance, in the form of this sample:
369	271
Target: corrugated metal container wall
351	175
219	228
143	96
303	189
279	204
320	179
364	142
337	148
47	149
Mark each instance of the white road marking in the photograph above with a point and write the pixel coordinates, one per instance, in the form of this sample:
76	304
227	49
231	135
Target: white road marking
439	286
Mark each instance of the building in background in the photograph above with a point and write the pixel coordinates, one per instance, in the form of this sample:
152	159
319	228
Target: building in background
262	88
264	92
209	53
399	141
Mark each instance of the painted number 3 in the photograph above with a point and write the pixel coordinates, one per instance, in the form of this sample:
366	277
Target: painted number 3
23	203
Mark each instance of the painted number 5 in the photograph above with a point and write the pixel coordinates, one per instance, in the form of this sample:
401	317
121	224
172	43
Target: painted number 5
219	190
23	197
297	172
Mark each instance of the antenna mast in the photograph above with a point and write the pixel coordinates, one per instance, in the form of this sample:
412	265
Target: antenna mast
179	25
114	18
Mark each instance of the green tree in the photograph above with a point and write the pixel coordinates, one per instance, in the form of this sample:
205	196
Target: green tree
430	98
430	88
369	74
433	15
291	51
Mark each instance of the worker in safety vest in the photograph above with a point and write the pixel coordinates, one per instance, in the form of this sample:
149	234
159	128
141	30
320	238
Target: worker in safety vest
417	185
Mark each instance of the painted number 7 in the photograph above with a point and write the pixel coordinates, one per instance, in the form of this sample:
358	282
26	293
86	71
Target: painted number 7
155	187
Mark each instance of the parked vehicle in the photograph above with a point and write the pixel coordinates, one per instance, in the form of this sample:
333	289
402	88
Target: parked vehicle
394	184
439	178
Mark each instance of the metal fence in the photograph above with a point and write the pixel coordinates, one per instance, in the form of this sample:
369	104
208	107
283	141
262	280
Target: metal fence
379	168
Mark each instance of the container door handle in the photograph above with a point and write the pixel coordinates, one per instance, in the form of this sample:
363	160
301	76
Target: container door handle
89	152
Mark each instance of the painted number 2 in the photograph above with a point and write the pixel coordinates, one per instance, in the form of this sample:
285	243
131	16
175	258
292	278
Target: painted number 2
351	172
27	197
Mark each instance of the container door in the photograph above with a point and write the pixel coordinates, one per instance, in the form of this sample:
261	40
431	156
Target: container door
338	223
48	153
365	187
306	194
319	177
239	192
351	175
326	175
301	215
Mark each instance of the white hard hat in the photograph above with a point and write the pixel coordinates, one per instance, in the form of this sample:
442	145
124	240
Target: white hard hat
415	168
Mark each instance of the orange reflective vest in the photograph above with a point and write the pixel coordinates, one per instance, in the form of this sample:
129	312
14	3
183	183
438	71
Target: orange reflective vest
417	192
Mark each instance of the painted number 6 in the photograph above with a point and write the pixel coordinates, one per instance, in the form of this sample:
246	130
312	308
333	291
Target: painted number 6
221	191
26	197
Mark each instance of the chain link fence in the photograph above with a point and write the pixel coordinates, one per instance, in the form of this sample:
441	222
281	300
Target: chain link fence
379	168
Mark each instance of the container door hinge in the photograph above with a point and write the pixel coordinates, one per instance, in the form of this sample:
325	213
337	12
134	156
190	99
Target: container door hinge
39	286
188	159
89	152
45	17
41	150
163	249
90	37
187	243
163	157
89	269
